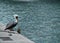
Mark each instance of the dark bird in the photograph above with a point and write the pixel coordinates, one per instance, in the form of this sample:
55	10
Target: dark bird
19	30
11	25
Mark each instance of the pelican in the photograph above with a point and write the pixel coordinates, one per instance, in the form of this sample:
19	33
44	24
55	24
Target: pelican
11	25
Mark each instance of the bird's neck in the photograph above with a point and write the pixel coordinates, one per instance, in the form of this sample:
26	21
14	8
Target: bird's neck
16	20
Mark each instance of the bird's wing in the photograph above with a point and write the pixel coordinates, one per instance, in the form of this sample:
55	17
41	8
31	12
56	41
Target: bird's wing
9	24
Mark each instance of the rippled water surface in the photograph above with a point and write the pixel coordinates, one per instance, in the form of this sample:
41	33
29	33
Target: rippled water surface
39	21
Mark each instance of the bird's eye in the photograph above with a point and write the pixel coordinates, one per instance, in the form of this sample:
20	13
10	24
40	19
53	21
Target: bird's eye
16	16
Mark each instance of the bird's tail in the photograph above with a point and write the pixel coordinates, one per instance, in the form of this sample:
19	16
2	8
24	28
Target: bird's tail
5	29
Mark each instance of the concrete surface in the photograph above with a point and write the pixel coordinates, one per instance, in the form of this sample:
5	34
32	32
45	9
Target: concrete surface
12	36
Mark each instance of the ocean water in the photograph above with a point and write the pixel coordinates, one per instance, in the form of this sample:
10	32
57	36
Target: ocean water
39	21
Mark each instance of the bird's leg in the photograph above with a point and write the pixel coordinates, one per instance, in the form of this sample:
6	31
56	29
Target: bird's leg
11	29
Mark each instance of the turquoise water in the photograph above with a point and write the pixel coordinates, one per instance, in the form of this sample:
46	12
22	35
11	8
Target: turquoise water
39	21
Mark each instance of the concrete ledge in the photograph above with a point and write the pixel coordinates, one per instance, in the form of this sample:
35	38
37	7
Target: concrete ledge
12	37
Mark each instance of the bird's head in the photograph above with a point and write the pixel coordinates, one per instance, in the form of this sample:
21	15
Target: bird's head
16	16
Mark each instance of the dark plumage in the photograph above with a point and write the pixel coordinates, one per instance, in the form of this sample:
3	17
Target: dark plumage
10	25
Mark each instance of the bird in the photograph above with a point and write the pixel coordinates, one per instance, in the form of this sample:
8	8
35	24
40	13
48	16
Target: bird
19	30
12	24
